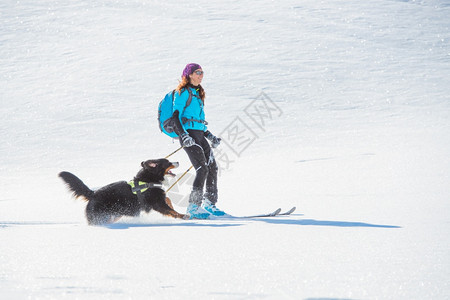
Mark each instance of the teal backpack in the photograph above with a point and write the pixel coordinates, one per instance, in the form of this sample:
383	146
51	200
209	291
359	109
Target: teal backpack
165	113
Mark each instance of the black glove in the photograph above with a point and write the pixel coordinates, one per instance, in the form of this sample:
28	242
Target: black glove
215	141
186	140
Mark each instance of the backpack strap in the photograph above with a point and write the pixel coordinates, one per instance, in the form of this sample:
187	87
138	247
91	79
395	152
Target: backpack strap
178	127
189	100
186	120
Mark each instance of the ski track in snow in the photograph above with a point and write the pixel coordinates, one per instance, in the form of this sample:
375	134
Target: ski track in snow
345	110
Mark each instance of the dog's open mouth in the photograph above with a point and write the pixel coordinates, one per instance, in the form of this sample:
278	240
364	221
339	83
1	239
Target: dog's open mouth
169	169
170	173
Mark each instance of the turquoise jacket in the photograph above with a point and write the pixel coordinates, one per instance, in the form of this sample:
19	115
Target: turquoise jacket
193	116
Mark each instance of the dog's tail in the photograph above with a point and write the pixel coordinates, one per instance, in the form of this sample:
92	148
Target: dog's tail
77	186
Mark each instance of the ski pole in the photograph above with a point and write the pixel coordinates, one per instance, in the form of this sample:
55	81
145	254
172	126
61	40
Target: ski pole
174	152
180	177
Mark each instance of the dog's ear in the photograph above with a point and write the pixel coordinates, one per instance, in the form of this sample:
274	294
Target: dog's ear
152	165
142	164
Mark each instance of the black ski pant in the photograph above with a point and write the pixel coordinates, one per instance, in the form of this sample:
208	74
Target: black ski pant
202	158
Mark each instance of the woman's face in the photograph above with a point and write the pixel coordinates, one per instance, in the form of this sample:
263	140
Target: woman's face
196	77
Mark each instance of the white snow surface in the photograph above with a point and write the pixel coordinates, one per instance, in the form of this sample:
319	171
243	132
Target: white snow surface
353	130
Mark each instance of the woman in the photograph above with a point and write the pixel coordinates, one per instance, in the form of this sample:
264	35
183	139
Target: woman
188	109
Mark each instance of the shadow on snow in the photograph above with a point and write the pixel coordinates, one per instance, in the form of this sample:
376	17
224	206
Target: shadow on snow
240	222
311	222
184	224
218	223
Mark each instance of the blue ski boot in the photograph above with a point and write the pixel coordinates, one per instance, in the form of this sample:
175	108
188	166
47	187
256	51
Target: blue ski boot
194	209
197	212
212	209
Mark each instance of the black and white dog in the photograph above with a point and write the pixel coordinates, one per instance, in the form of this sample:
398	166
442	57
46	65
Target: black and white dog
109	203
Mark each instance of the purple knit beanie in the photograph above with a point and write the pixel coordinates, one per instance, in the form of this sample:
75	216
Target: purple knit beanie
189	69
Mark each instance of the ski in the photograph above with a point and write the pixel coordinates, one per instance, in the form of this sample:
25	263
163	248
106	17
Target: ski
275	213
288	212
272	214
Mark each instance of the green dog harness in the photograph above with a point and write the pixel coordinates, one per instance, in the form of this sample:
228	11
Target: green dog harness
138	187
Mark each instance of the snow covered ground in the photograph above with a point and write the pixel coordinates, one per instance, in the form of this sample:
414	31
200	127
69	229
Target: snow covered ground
353	129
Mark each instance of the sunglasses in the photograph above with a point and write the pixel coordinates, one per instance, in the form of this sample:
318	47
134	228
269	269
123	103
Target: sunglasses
199	72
